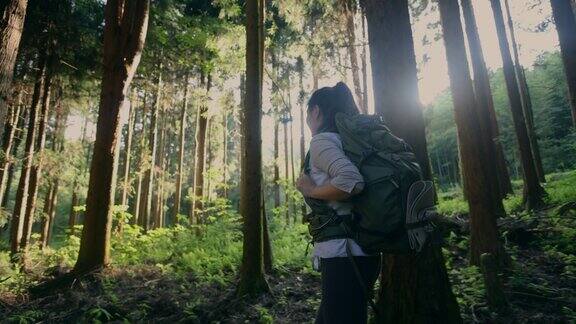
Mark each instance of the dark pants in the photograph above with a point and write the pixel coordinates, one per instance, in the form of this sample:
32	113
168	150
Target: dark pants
343	298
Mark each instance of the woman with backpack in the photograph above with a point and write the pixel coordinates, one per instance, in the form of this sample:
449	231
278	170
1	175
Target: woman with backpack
328	181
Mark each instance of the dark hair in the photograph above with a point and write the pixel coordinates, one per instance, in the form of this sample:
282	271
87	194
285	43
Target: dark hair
330	101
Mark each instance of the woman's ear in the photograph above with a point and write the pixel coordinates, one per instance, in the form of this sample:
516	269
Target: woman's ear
316	112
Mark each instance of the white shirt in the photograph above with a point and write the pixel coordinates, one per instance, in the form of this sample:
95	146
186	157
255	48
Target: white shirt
329	164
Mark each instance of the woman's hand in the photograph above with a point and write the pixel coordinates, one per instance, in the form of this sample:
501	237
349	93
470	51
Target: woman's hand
305	184
308	188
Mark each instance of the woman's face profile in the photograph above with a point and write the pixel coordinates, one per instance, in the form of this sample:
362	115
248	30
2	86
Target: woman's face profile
314	119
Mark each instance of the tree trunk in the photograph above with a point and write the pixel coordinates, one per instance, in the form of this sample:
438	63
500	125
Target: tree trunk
75	200
406	279
141	167
200	157
19	136
17	222
364	66
45	217
276	161
11	25
36	171
208	180
302	123
225	154
52	215
487	114
566	28
286	171
127	153
252	281
525	99
126	23
267	248
51	199
72	215
147	212
182	137
160	162
533	192
484	237
348	9
8	142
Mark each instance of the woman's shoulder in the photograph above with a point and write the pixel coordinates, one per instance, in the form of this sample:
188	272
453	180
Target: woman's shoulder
326	138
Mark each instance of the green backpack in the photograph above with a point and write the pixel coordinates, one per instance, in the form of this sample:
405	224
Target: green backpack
379	219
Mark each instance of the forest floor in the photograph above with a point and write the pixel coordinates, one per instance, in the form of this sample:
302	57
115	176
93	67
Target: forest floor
169	275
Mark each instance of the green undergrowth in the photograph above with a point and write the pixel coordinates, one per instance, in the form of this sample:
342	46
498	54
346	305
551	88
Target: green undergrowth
560	189
212	252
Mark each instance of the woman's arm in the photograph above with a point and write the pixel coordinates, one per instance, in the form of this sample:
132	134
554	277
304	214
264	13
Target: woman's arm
324	192
345	179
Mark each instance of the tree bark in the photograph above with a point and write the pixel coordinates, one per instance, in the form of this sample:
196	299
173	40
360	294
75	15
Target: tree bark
17	222
19	136
127	154
301	96
126	23
349	9
566	28
200	157
225	154
533	192
11	25
525	99
364	66
487	114
267	248
484	237
160	162
182	137
252	281
8	142
36	171
409	278
286	171
45	217
75	199
147	210
51	198
138	197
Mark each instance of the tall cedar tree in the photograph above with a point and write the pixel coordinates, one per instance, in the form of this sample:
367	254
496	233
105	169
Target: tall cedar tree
487	114
138	196
75	199
8	141
11	24
36	171
128	152
406	279
52	194
566	28
301	96
525	99
18	215
348	8
126	24
147	211
182	140
484	236
533	192
484	121
252	281
200	155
